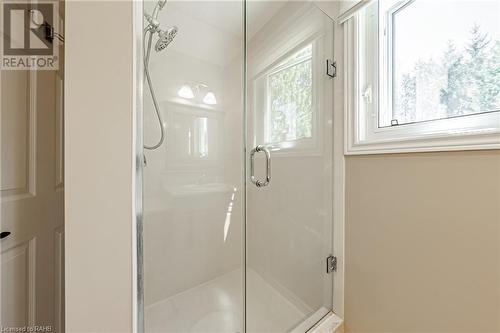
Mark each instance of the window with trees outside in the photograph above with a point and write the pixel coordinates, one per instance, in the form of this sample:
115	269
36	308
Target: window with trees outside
289	91
428	75
286	96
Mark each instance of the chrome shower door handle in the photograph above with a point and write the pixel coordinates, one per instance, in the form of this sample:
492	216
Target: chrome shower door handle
254	180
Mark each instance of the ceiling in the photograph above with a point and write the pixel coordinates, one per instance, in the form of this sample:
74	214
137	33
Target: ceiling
228	15
213	30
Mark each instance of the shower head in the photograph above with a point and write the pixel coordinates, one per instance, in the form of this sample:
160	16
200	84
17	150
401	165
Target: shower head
165	38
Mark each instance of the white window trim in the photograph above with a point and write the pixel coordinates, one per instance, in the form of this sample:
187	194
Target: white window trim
362	134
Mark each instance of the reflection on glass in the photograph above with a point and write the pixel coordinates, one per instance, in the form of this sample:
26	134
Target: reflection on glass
210	98
227	222
186	92
202	133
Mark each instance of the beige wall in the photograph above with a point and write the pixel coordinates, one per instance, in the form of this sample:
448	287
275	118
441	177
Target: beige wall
422	242
98	157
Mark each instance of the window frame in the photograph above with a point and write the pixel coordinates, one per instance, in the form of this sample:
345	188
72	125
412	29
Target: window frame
367	94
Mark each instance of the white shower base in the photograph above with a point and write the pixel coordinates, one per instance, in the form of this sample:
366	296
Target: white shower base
216	306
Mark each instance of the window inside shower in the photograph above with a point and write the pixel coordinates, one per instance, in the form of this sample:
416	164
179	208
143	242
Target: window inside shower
288	94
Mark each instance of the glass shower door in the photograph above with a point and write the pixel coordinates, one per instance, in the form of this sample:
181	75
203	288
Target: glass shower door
229	247
289	180
193	192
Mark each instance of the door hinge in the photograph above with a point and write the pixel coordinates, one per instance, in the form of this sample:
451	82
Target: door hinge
331	68
331	264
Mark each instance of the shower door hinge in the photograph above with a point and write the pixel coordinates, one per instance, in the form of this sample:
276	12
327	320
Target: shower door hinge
331	68
331	264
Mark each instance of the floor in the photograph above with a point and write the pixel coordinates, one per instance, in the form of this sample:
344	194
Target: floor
218	305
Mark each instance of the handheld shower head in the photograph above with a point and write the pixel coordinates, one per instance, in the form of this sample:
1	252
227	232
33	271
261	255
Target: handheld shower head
165	38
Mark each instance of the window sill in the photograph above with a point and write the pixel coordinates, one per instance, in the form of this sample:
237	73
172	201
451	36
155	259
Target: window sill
435	143
297	151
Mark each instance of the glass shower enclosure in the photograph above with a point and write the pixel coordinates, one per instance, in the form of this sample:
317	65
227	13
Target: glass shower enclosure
236	223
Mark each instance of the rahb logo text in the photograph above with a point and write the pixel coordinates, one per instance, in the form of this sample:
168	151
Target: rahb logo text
29	38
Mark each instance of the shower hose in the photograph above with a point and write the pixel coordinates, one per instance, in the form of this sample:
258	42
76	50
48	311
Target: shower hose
147	51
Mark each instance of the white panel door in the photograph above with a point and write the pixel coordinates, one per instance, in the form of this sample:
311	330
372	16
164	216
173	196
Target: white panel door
31	200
